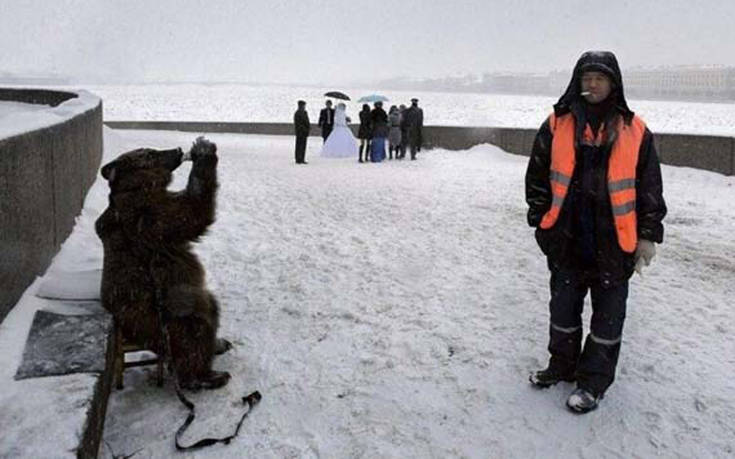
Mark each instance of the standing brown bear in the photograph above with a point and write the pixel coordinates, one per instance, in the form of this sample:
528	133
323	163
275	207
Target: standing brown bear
147	232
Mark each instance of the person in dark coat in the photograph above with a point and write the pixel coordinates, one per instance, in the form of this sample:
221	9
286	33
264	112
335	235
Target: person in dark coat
595	197
364	133
412	119
404	132
302	126
326	119
379	123
420	133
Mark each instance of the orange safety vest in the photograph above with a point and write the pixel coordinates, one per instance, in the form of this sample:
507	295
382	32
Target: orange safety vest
621	172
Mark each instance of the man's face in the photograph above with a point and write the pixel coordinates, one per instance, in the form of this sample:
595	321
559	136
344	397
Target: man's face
598	85
329	104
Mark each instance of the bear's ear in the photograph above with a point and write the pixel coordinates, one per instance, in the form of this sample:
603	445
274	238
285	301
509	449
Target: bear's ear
108	171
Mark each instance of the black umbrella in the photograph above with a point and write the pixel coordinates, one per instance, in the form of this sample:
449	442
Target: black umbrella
337	95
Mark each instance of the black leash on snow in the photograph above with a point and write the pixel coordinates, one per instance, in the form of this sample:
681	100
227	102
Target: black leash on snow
250	400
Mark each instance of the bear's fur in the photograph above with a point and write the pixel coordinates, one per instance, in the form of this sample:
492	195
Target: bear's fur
147	232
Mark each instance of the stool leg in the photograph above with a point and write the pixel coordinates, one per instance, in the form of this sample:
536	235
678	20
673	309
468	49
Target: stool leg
119	365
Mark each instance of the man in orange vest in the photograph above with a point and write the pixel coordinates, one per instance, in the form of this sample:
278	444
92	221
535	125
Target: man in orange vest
595	197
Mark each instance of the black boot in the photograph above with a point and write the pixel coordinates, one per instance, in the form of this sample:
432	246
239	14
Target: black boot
360	158
583	401
548	377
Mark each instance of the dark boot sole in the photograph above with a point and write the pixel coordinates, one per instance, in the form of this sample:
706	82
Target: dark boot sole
581	410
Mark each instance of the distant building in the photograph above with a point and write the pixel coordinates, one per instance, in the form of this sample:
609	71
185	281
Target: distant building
716	83
678	83
515	83
32	80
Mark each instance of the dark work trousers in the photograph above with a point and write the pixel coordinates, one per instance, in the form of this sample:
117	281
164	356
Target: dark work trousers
300	148
593	366
414	144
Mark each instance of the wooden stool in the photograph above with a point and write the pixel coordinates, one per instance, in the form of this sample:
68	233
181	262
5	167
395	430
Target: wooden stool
121	348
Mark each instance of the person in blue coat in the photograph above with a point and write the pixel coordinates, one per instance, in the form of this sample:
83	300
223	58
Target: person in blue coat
379	122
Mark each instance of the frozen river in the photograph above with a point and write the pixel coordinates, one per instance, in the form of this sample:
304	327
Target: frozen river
237	102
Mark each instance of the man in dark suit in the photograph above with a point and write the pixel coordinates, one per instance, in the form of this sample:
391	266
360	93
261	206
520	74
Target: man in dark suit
302	126
326	119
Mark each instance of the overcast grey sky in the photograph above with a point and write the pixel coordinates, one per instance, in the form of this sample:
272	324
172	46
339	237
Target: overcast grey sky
341	41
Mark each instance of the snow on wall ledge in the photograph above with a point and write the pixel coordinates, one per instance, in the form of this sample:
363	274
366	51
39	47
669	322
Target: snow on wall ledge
48	161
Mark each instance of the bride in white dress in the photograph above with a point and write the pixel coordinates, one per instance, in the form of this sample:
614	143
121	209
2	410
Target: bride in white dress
340	143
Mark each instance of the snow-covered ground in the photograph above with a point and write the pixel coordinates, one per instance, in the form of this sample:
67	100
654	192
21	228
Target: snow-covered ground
238	102
395	310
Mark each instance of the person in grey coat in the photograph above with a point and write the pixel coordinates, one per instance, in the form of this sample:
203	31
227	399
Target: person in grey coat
394	134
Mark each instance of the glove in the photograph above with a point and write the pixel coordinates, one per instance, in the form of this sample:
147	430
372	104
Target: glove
644	253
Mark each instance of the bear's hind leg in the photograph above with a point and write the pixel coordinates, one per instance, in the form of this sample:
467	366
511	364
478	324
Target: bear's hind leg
193	347
221	345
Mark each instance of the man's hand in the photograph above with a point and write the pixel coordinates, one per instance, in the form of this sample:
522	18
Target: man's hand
644	253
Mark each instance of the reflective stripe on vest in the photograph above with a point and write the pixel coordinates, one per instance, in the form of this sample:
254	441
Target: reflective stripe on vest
621	172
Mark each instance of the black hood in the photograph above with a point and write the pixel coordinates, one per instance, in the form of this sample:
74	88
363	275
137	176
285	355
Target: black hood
600	61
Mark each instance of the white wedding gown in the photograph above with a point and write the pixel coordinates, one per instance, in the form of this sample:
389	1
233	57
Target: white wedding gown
340	143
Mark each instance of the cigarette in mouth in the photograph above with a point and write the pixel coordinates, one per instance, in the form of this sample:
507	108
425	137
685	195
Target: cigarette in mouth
585	93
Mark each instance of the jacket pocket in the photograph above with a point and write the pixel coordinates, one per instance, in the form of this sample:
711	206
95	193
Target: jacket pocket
543	239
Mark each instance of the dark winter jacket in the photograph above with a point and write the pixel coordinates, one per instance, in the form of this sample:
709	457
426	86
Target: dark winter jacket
379	122
326	118
365	131
584	236
301	123
413	120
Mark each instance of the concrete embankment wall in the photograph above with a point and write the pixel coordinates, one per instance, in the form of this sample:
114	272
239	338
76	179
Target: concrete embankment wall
48	161
712	153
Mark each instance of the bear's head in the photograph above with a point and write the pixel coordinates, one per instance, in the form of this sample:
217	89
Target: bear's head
144	168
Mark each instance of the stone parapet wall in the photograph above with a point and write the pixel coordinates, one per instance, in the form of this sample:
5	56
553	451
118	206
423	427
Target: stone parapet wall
48	161
712	153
